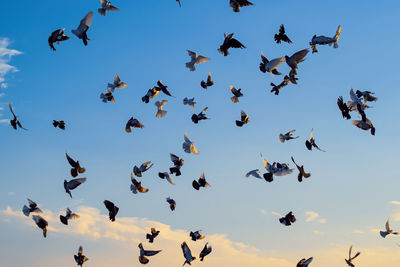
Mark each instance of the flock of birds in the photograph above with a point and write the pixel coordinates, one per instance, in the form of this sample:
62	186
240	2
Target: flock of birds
357	103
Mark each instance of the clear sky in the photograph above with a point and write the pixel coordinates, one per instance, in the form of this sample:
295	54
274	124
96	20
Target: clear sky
353	189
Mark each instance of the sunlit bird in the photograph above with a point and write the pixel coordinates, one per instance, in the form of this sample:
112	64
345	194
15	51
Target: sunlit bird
201	116
304	262
143	254
138	171
244	119
302	173
270	66
208	83
287	136
387	231
56	37
323	40
236	94
80	259
72	184
311	143
106	6
160	112
68	216
153	234
188	146
189	101
349	261
116	84
172	203
136	186
76	166
81	31
41	223
33	208
197	235
201	182
132	122
195	59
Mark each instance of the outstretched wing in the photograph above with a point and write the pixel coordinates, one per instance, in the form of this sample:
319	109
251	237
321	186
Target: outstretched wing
74	183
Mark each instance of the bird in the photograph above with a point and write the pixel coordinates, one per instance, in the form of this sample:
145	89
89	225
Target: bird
365	125
163	88
343	108
143	253
244	119
236	94
196	235
295	59
33	207
151	93
15	122
190	102
188	146
76	166
69	216
107	97
167	176
153	234
80	259
270	66
237	4
59	124
187	254
349	261
304	262
138	171
72	184
276	168
41	223
179	2
205	251
160	112
106	6
137	186
195	59
172	203
81	31
116	84
302	173
281	36
208	83
323	40
355	100
311	143
201	116
201	182
276	88
287	136
56	37
132	122
366	95
254	173
229	42
178	163
112	210
387	231
292	77
288	219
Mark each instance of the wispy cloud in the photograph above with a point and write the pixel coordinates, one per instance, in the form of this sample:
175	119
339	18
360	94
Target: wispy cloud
312	216
5	57
358	232
394	202
316	232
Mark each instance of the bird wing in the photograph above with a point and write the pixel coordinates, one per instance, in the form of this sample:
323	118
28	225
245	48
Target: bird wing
209	78
235	43
86	21
193	149
11	109
353	96
274	63
109	205
266	165
169	179
32	204
193	55
112	8
282	29
255	173
298	167
186	251
71	161
233	89
201	59
355	256
151	252
243	116
174	158
387	225
351	247
299	56
311	135
187	140
243	3
117	80
74	183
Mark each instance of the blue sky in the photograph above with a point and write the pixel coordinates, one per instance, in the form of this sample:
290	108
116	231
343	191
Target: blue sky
351	186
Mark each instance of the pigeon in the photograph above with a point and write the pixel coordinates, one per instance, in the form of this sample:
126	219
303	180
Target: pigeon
59	124
112	210
80	258
349	261
189	101
237	4
276	88
15	122
56	37
365	125
388	230
72	184
229	42
107	97
143	253
32	208
355	100
323	40
278	169
208	83
287	136
69	216
188	146
270	66
106	6
187	254
295	59
196	235
254	173
41	223
152	235
116	84
178	163
163	88
288	219
195	59
282	36
160	112
137	186
236	94
83	27
304	262
132	123
205	251
151	93
201	116
302	173
244	119
172	203
201	182
366	95
76	166
144	167
343	108
167	176
179	2
311	143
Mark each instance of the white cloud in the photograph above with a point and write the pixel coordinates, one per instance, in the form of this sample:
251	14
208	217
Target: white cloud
4	121
394	202
5	57
316	232
313	216
358	232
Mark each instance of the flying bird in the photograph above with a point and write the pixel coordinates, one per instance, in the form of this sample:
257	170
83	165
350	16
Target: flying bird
132	122
178	163
163	88
236	94
72	184
116	84
138	171
81	31
254	173
56	37
137	186
195	59
287	136
276	88
151	93
205	251
295	59
107	97
76	166
244	119
365	125
143	253
188	146
80	258
187	254
153	234
160	112
201	116
15	122
201	182
237	4
112	210
311	143
172	203
323	40
106	6
167	176
189	101
270	66
349	261
304	262
281	36
387	231
288	219
69	216
33	207
229	42
343	108
59	124
276	168
196	235
302	173
366	95
208	83
41	223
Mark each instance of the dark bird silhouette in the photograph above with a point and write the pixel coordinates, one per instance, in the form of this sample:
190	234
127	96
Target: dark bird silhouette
304	262
201	116
287	136
69	216
76	166
288	219
143	253
205	251
81	31
281	36
80	259
112	210
152	235
163	88
15	122
136	186
106	6
349	261
237	4
172	203
208	83
270	66
187	254
229	42
343	108
244	119
201	182
366	95
196	235
311	143
107	97
388	230
292	77
276	88
236	94
302	173
178	163
33	207
41	223
132	122
72	184
59	124
295	59
138	171
56	37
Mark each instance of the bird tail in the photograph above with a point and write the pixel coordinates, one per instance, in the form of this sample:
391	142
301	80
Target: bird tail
239	123
190	66
234	99
161	113
25	210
